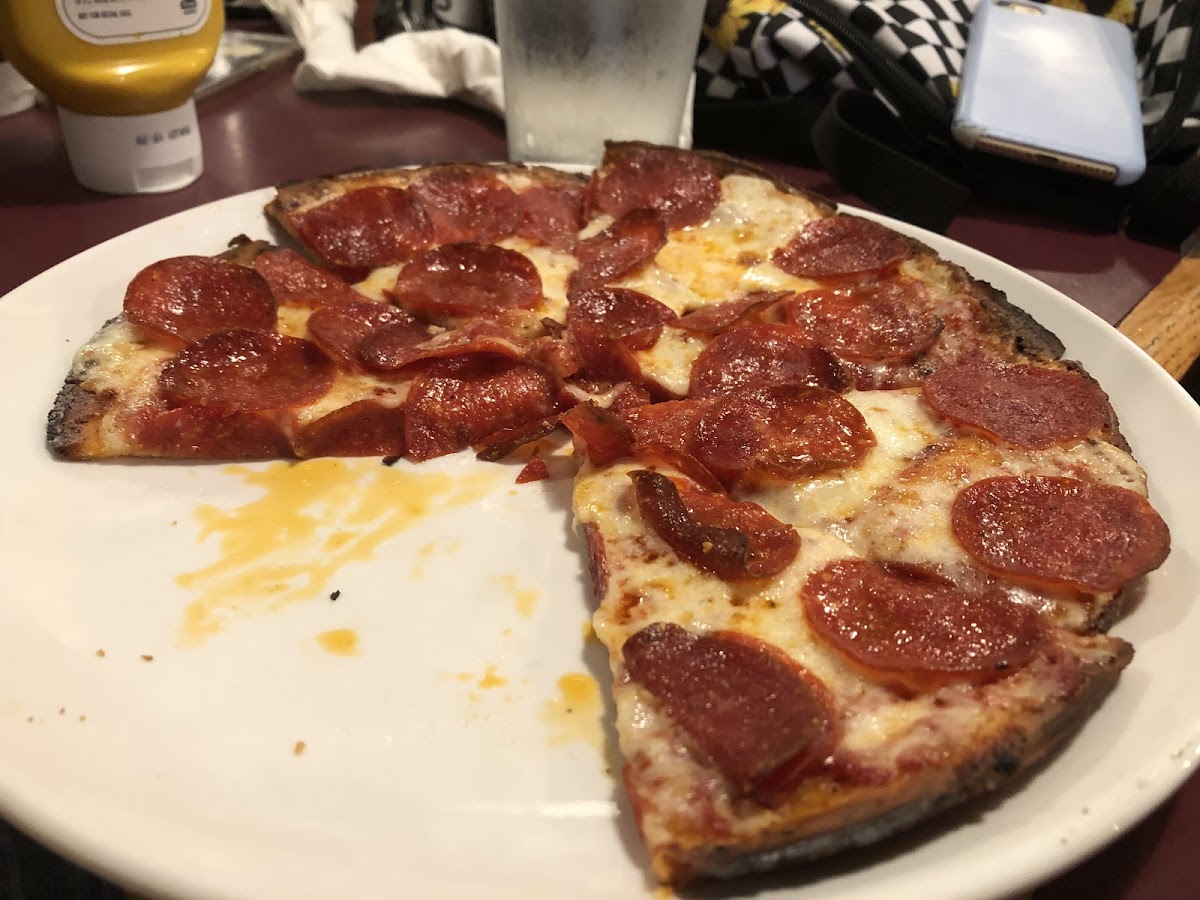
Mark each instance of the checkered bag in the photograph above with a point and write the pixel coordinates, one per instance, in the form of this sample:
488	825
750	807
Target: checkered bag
908	55
1162	30
756	49
769	48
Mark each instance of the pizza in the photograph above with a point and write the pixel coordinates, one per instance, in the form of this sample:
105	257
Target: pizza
856	532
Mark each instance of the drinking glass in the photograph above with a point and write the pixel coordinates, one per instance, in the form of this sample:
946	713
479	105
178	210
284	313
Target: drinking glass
579	72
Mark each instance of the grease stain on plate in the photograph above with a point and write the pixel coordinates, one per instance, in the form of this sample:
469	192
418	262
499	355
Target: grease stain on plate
312	518
490	680
575	714
426	553
524	598
339	641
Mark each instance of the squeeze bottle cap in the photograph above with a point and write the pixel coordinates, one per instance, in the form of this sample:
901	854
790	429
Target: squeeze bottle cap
148	154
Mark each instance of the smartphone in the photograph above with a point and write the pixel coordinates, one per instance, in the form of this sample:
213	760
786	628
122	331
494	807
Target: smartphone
1052	87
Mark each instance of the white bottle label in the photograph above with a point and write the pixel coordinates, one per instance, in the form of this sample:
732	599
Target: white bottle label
130	21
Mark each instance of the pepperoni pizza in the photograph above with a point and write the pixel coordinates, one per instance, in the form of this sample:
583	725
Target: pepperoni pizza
856	534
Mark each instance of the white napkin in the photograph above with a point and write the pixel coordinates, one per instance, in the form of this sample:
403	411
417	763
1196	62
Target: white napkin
445	63
16	94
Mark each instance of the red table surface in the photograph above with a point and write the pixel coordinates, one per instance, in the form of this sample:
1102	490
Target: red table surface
260	132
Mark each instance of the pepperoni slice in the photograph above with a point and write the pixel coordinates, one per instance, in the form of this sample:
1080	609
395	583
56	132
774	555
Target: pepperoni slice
1060	531
761	355
841	245
761	719
340	330
468	279
458	401
712	320
505	441
882	320
190	297
247	370
634	318
624	247
672	423
365	229
786	431
600	356
663	435
628	397
391	349
552	214
296	281
1023	405
555	355
534	470
601	434
734	540
683	186
364	428
467	205
203	432
905	622
658	456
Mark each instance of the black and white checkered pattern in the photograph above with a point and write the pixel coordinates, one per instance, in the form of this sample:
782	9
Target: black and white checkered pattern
1161	32
782	52
779	51
927	37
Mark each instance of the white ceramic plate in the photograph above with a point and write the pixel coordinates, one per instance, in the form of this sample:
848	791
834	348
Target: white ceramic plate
412	738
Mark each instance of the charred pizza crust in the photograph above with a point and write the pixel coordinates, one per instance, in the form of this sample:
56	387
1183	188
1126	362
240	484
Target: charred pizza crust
293	199
299	196
72	428
834	816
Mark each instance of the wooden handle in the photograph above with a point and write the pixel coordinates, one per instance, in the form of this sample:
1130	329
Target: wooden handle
1166	323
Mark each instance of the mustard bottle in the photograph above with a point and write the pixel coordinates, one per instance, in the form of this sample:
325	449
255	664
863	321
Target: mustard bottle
122	74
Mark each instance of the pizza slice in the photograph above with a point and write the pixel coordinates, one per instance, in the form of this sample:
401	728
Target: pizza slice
265	353
849	628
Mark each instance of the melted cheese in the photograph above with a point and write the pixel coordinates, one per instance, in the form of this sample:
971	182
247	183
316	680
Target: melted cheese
753	218
903	427
374	286
669	362
117	359
351	387
708	263
554	267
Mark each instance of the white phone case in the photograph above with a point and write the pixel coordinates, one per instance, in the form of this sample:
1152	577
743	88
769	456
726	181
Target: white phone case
1052	87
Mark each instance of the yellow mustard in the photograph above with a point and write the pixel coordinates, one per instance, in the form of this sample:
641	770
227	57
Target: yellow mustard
122	74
